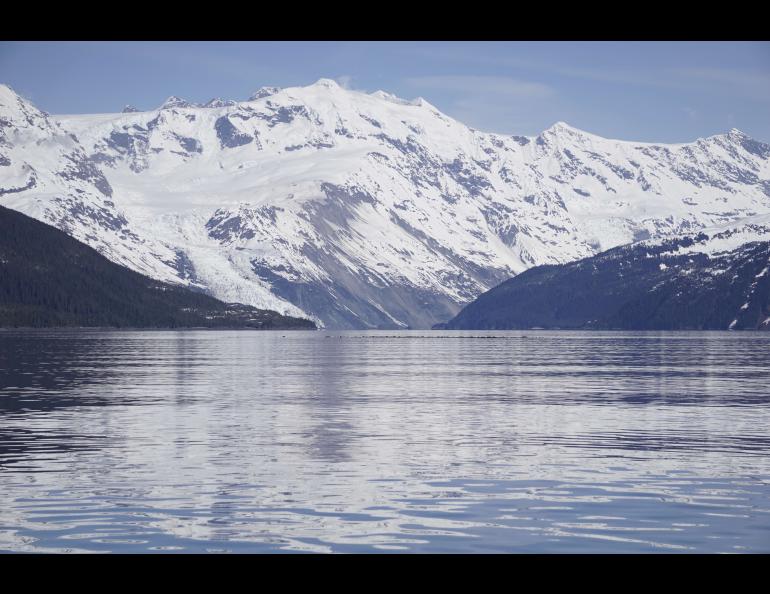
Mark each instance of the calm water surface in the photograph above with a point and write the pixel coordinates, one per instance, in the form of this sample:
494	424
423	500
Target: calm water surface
424	441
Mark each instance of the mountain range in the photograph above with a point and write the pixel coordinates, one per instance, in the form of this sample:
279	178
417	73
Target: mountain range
357	210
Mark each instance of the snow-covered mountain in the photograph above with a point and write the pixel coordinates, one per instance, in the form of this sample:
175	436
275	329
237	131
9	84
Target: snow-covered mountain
358	210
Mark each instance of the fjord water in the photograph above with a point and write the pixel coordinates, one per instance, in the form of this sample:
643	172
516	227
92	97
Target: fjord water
418	441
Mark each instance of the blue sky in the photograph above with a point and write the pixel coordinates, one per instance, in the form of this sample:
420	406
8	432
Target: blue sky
647	91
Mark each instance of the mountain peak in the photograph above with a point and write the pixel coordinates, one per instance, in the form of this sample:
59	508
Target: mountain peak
17	109
175	101
8	95
6	90
327	83
264	92
129	109
562	127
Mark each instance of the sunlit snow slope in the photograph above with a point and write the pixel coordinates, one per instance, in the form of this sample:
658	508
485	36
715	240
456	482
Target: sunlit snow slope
359	210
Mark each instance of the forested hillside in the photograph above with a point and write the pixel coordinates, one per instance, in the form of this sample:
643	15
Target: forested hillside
48	278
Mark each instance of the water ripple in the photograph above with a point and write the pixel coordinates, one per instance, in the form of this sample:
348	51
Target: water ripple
200	441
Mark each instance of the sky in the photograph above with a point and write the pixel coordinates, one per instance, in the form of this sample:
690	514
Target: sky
645	91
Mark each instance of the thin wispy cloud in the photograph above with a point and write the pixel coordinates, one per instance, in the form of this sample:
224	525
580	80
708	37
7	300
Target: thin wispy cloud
463	54
747	81
742	81
345	81
483	101
475	84
349	83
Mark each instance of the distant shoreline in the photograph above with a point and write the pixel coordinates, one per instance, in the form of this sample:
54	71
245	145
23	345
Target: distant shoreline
430	333
159	329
